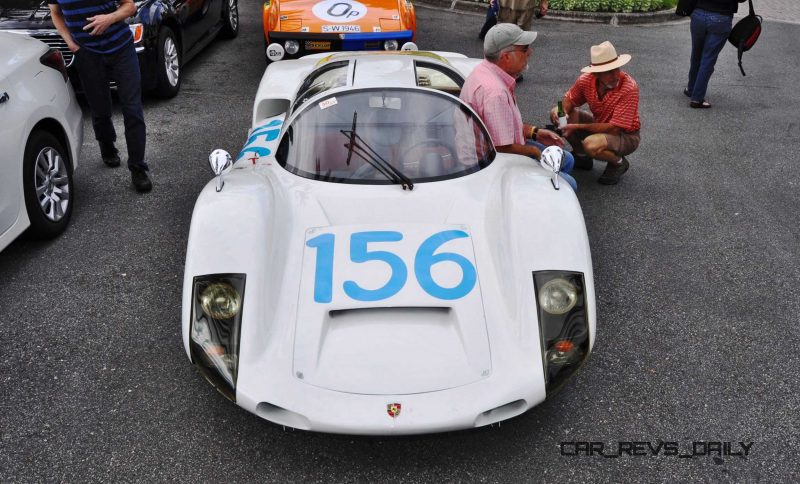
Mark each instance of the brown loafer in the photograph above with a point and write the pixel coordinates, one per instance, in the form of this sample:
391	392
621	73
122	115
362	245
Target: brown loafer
613	173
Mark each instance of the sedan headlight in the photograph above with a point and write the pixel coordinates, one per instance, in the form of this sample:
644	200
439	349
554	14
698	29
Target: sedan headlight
215	329
563	324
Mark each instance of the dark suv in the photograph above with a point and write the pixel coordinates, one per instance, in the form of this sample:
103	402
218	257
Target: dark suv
167	33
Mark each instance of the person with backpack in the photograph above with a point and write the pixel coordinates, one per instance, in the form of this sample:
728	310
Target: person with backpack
711	24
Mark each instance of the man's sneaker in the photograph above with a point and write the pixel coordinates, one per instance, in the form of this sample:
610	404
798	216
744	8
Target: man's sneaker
613	173
583	162
110	154
141	181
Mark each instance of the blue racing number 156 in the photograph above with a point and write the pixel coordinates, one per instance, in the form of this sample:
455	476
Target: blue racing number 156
424	260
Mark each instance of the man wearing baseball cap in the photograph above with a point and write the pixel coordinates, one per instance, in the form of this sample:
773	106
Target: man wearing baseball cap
489	90
610	132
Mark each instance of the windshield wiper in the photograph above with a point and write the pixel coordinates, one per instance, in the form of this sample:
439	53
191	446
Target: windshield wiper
352	137
365	152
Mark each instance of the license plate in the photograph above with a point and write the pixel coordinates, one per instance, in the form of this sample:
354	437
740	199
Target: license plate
317	45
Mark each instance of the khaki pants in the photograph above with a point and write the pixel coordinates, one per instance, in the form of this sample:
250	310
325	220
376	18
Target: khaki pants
622	144
523	18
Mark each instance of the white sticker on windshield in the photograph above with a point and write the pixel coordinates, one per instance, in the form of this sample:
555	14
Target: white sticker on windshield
328	103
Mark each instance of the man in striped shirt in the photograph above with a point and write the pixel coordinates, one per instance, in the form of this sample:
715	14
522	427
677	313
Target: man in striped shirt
610	131
95	30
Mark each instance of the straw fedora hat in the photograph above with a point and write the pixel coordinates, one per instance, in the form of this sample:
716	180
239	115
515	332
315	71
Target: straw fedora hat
605	58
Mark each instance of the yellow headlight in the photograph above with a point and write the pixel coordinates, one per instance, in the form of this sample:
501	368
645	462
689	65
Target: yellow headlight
220	301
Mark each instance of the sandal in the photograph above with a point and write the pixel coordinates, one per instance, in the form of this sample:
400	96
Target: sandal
700	104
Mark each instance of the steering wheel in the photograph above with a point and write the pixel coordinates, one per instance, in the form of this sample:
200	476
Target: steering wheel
431	142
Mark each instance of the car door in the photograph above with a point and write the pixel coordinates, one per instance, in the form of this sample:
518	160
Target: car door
197	17
9	164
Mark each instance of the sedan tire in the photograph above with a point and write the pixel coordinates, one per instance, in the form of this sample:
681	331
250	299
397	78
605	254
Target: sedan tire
168	73
47	185
230	19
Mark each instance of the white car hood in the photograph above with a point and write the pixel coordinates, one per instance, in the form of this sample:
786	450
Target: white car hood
415	341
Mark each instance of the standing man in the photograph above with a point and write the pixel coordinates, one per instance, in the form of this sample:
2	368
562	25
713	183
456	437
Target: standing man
520	12
610	131
96	32
489	90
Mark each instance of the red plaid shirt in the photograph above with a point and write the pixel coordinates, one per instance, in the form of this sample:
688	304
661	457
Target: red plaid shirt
489	90
619	107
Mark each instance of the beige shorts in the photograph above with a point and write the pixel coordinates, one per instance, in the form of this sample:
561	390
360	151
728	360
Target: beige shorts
622	144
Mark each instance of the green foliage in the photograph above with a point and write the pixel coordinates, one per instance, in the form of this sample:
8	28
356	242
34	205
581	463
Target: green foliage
612	5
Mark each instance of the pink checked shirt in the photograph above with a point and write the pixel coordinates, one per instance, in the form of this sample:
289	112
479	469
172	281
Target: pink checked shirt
489	90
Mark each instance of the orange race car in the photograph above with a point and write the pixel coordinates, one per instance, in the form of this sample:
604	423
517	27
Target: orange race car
294	28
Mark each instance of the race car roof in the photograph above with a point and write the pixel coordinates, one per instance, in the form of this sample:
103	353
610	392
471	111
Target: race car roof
280	82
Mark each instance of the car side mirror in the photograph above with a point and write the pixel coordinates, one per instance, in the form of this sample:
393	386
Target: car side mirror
221	163
551	159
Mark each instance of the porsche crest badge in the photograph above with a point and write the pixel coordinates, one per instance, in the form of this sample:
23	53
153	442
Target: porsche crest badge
393	409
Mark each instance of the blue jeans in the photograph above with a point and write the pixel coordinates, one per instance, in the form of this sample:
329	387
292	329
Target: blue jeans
491	18
709	32
566	164
122	66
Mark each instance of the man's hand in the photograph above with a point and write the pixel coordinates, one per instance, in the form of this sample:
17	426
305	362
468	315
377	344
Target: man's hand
568	129
549	138
72	46
554	115
99	23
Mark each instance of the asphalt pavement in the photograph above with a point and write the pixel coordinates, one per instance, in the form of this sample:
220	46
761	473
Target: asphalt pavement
696	255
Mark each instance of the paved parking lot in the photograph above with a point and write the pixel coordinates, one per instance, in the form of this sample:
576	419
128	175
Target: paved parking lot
696	257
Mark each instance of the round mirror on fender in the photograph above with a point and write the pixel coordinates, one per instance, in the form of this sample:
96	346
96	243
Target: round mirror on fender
551	159
220	161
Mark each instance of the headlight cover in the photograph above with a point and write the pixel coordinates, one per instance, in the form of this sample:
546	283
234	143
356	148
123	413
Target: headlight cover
563	325
215	329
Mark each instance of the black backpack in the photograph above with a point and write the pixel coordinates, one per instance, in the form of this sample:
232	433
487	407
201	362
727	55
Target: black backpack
745	33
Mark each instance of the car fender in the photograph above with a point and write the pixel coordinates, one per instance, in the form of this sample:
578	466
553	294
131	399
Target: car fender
243	207
539	228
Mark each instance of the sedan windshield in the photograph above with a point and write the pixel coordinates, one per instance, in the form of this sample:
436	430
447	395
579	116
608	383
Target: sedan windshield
385	136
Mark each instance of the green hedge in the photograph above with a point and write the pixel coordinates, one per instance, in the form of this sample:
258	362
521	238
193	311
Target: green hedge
612	5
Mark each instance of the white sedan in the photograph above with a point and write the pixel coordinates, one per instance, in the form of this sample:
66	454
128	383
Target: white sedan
41	134
369	264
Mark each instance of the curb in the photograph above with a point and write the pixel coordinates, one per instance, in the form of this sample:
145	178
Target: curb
611	18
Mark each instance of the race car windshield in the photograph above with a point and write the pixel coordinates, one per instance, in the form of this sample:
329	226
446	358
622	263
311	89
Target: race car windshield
416	136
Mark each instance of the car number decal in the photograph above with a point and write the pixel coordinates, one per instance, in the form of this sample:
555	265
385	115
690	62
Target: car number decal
442	264
262	138
339	11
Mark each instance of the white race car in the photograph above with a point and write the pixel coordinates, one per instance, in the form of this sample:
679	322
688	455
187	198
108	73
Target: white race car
369	264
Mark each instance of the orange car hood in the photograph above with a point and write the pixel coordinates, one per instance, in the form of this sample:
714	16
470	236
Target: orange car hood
367	15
